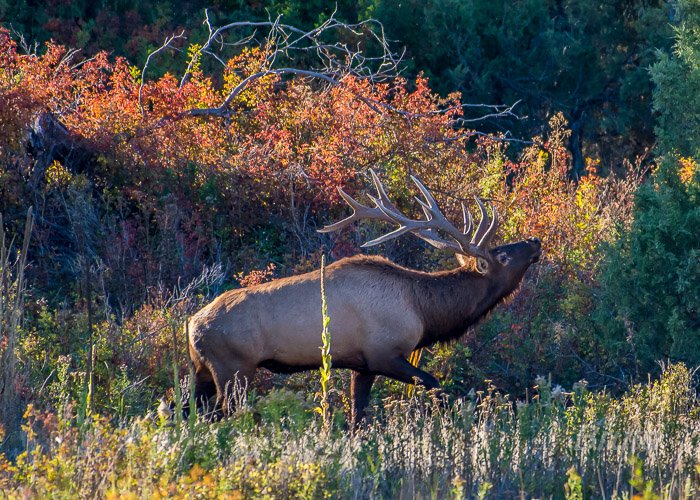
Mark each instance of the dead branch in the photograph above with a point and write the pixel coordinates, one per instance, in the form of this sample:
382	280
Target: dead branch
332	52
332	61
166	44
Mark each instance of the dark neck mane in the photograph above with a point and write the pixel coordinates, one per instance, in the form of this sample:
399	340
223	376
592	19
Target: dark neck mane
452	301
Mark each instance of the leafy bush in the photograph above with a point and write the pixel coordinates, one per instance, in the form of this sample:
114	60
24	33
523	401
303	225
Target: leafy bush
676	77
651	280
650	286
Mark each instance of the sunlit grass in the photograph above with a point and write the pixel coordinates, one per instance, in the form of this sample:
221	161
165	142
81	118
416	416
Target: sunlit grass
558	443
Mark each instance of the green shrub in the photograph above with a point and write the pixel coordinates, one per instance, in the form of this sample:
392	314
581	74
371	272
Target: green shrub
651	278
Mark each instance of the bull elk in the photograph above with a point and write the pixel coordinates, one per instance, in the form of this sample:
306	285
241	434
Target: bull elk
380	312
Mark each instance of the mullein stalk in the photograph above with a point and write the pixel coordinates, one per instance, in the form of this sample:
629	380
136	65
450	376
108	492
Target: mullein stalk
192	416
326	360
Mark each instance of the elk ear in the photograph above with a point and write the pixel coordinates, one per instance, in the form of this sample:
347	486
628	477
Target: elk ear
482	265
503	258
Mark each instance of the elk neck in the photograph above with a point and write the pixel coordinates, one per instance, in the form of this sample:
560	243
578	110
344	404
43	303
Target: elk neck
452	301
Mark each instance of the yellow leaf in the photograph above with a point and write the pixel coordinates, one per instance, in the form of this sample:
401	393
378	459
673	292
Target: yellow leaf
196	472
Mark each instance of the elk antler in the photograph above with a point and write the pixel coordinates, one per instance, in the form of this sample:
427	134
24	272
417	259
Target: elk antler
426	229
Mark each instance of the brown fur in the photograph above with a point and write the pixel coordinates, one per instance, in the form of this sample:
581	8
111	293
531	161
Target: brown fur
380	312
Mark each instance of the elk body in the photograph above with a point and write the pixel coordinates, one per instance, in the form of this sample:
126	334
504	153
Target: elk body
380	312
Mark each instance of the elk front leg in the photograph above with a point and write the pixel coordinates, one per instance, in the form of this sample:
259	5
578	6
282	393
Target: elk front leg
232	382
360	387
400	369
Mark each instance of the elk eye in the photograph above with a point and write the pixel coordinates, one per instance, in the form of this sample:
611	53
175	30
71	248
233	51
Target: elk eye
503	258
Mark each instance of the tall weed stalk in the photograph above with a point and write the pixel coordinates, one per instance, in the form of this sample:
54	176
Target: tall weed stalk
326	360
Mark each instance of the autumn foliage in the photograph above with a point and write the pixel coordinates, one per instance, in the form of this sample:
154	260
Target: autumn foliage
156	177
149	192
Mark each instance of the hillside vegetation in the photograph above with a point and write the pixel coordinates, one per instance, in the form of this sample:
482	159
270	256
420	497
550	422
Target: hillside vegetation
136	188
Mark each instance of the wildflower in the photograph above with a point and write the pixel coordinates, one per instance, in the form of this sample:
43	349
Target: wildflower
580	386
558	392
164	411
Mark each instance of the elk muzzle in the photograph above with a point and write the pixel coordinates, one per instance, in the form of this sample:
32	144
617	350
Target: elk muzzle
536	246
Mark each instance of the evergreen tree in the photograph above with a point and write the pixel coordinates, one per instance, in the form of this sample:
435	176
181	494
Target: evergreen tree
651	281
585	58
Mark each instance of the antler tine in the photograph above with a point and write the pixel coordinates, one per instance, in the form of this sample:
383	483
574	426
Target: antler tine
426	229
426	212
384	204
381	193
439	221
419	228
385	210
386	237
481	228
491	232
487	226
467	219
392	213
359	211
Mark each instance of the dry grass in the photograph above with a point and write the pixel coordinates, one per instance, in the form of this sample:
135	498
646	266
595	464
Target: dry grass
12	289
557	444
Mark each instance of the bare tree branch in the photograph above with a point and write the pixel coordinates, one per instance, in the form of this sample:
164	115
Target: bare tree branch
165	45
28	49
332	52
331	60
475	133
65	60
498	111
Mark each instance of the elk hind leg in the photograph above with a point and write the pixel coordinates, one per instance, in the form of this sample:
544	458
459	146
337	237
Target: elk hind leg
204	387
360	387
400	369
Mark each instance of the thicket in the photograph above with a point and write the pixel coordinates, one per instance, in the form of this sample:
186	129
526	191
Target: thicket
586	59
144	211
651	278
